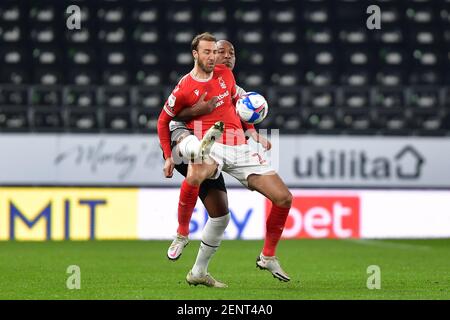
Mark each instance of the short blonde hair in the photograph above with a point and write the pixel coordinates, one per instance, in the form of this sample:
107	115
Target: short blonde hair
203	36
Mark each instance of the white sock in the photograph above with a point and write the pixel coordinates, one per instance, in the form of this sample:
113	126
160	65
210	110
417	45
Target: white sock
211	238
189	147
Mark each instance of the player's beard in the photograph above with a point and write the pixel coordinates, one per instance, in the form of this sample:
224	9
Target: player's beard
206	68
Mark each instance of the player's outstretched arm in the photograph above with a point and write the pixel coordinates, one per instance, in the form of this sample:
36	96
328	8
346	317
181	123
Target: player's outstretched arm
164	139
260	139
251	131
200	108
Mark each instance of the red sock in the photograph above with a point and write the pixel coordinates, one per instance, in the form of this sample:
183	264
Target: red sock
186	205
274	228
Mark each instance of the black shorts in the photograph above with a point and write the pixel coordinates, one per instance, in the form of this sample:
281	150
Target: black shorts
208	184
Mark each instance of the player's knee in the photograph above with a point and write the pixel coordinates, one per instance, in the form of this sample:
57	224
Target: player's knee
194	180
284	200
196	176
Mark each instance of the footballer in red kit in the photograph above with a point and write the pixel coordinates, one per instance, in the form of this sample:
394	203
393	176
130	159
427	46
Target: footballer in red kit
222	85
229	153
212	192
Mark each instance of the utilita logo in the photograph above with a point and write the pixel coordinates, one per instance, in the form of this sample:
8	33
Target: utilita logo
406	164
323	217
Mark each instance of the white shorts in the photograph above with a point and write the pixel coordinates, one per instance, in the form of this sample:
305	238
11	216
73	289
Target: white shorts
239	161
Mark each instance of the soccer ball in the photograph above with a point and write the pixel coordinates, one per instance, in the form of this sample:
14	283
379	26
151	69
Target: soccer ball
252	107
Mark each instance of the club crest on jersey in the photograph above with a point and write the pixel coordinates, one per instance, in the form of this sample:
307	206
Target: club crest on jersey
196	92
222	83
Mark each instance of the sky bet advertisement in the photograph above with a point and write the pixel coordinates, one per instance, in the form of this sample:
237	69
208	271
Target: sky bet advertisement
39	214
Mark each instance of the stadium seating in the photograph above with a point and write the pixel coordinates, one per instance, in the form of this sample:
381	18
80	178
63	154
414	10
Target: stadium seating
320	68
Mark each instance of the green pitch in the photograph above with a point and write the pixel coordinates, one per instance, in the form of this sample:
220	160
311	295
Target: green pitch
320	269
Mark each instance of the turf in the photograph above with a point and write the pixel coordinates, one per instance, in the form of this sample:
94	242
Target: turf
320	269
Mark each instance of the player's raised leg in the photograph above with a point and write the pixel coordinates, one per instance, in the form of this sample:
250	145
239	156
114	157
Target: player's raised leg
197	173
271	186
192	149
213	134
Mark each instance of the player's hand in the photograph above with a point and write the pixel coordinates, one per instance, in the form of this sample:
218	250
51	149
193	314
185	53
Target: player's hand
169	165
205	107
264	142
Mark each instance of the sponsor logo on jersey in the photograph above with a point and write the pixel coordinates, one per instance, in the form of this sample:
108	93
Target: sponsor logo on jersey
223	95
196	92
220	98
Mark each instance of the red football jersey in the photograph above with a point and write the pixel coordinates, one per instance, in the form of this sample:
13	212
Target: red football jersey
222	85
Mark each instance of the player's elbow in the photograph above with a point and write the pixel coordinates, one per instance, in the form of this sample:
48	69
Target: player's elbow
163	117
163	121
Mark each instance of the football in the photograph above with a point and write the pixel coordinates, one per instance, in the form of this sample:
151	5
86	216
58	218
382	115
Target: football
252	107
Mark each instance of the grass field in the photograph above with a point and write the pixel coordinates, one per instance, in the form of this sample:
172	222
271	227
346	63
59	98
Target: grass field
320	269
